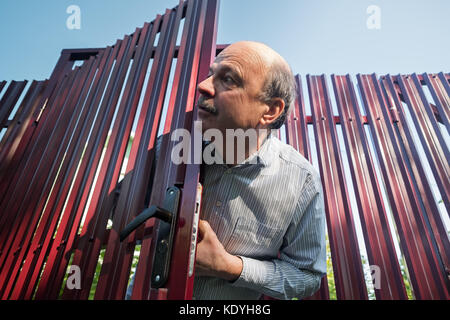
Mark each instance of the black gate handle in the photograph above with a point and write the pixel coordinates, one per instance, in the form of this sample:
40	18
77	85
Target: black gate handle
167	213
153	211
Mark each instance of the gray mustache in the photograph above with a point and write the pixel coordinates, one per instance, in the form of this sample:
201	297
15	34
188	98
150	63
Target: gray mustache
207	107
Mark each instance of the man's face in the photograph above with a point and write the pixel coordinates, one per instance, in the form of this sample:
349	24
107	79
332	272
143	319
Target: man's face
229	96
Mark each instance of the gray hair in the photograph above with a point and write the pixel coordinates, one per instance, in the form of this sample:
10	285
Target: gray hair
280	83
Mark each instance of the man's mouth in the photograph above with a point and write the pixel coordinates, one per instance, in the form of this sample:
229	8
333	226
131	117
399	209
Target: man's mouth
207	108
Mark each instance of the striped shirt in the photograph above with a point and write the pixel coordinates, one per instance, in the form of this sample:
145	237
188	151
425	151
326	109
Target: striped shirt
270	214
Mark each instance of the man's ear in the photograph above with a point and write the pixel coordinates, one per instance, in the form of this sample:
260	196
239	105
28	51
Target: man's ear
275	110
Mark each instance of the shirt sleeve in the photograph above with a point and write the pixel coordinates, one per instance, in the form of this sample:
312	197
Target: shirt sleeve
302	260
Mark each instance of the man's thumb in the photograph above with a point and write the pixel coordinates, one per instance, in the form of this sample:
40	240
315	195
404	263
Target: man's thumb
203	227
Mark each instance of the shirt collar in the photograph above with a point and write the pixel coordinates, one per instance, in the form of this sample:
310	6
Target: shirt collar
266	153
264	156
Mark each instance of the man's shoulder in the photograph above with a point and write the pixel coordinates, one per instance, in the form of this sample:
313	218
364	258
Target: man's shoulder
297	163
292	157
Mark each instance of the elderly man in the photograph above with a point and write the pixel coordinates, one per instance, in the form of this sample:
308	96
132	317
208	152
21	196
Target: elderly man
263	221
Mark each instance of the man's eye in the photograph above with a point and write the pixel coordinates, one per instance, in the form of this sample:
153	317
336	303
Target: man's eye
228	80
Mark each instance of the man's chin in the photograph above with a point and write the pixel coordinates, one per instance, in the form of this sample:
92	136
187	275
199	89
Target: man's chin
205	117
204	125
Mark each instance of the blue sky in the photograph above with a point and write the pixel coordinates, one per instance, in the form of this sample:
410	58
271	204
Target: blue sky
320	36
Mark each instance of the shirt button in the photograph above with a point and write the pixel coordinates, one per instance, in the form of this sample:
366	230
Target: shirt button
218	203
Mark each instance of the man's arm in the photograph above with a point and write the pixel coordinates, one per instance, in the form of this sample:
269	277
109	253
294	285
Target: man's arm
302	261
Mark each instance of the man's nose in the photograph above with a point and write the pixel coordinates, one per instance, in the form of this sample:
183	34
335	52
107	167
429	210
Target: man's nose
206	87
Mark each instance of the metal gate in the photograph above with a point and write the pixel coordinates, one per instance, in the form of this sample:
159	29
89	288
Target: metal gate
63	154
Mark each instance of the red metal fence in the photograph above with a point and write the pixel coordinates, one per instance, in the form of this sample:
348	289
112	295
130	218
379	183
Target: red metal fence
76	156
381	119
62	160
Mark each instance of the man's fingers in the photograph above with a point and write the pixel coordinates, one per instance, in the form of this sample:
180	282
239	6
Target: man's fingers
203	227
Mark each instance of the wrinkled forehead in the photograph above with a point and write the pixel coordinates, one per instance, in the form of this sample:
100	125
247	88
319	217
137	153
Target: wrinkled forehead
248	61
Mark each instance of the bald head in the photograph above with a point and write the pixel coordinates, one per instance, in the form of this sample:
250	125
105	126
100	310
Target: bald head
279	80
259	52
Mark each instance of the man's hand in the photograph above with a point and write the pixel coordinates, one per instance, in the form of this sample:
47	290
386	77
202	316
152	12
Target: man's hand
212	258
